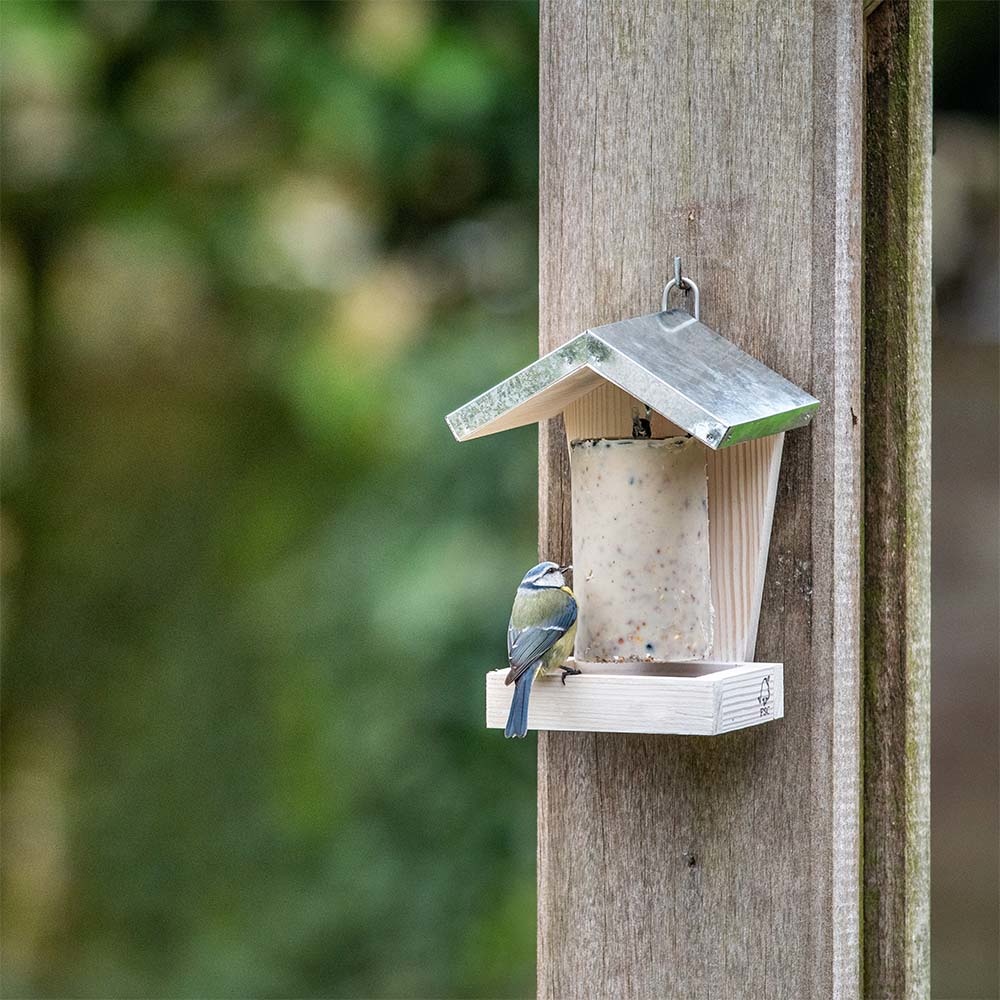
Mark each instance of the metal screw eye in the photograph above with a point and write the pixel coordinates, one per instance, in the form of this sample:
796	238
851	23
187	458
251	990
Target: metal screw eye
684	284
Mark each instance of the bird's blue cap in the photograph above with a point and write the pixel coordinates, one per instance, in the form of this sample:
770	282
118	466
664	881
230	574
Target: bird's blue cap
535	574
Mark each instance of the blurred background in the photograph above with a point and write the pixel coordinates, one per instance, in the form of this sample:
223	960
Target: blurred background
251	254
965	533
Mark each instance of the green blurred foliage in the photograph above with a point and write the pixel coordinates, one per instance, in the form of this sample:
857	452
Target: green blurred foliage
252	254
966	71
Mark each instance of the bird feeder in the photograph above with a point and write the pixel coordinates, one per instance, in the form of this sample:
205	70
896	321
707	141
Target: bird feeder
675	439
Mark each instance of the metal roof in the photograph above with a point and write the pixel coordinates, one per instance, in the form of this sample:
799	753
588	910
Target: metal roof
672	362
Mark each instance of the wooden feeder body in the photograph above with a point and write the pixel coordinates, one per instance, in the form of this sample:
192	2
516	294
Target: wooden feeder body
715	472
741	487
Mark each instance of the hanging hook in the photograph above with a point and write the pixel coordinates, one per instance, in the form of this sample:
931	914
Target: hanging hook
684	284
678	277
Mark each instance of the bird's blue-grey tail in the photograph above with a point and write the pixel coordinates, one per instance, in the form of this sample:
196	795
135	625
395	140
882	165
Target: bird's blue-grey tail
517	721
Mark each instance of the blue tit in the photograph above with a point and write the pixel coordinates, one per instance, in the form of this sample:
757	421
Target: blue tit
540	636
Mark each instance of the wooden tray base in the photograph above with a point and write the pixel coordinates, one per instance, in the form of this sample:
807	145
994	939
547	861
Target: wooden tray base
700	698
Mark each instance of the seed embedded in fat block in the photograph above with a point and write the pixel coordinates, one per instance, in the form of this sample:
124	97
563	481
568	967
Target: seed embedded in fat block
640	550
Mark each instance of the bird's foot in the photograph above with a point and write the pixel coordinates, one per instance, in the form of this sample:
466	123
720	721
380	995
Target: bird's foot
569	671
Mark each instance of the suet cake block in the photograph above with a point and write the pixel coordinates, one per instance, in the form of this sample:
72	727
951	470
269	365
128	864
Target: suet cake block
640	550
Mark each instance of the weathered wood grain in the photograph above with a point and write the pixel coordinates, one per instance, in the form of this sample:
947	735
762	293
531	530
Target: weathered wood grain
670	867
897	392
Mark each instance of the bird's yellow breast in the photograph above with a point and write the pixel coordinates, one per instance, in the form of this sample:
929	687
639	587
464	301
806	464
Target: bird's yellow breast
558	652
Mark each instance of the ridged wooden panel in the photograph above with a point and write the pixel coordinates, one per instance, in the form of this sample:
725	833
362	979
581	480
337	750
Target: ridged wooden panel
742	484
607	412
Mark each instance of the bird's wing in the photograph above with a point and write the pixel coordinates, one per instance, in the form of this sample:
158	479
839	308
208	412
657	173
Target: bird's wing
552	612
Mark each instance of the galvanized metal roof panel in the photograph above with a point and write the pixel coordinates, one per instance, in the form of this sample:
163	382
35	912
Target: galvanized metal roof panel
676	365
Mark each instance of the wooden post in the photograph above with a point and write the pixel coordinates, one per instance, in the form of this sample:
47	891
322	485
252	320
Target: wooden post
897	391
733	134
